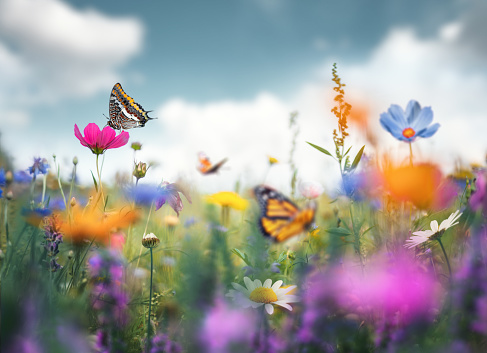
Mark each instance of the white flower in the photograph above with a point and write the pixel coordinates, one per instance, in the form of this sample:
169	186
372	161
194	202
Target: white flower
425	235
257	294
310	189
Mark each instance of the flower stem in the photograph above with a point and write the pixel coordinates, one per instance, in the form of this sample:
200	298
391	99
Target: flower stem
410	154
446	258
150	304
99	180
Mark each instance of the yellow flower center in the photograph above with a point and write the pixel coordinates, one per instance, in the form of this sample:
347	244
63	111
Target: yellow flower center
263	295
408	132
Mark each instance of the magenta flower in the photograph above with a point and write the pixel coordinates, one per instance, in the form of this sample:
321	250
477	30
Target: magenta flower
100	141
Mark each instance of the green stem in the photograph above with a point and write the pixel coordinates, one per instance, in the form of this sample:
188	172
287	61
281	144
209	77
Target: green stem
44	181
60	185
150	304
446	258
410	154
99	180
357	240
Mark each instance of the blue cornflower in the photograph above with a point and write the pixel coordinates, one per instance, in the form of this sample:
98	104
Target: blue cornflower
22	177
40	166
414	122
2	177
1	192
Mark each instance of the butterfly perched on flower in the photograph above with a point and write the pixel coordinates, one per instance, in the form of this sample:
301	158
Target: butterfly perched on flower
280	218
124	112
205	166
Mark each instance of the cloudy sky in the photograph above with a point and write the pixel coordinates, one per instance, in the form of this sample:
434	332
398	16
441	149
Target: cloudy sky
223	76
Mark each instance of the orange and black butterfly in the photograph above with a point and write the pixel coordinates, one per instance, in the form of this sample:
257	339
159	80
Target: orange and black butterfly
205	166
280	218
124	112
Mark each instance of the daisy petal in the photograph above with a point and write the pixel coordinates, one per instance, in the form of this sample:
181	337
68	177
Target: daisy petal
269	308
241	288
257	283
249	284
267	283
284	305
276	285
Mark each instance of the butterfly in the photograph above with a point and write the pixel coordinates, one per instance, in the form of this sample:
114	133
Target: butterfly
280	218
124	112
205	166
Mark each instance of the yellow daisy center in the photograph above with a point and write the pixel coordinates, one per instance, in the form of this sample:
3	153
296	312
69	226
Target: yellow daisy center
263	295
408	132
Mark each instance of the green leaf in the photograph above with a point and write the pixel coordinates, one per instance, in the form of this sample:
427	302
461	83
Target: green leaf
94	181
282	257
370	228
338	231
357	158
242	255
347	151
320	149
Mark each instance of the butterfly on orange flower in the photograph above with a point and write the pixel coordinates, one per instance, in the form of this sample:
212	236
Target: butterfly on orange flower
280	218
124	112
205	166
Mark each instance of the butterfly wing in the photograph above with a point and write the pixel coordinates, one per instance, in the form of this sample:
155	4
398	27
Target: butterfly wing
280	218
124	112
205	166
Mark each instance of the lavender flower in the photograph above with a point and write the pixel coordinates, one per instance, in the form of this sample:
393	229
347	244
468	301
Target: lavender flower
52	239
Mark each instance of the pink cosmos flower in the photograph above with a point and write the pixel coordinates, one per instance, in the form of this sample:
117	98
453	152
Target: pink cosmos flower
100	141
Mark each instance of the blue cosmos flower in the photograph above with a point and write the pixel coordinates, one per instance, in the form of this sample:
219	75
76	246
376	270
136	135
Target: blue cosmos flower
409	124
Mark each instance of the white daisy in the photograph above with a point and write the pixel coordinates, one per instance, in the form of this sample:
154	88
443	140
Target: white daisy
425	235
257	294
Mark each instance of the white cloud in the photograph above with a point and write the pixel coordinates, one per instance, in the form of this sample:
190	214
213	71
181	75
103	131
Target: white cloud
50	51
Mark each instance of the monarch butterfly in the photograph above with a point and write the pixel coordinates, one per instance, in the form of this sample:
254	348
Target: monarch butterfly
280	218
205	166
124	112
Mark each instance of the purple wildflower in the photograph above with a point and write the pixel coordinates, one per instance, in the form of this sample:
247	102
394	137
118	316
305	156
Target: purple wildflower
162	344
52	239
224	327
169	193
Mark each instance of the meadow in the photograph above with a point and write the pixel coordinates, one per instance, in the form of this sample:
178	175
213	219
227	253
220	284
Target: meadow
396	262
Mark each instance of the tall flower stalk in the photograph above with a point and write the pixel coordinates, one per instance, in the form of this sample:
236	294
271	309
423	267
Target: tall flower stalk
150	241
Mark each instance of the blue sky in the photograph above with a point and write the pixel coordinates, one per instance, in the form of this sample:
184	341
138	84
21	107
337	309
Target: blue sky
223	76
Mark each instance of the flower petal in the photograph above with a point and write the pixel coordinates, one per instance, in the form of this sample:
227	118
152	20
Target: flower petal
423	120
257	283
81	139
276	285
397	114
92	131
256	305
389	124
241	289
412	112
434	226
287	289
249	284
121	140
267	283
269	308
284	305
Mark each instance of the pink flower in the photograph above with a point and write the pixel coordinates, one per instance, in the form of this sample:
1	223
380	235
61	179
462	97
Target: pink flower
310	189
100	141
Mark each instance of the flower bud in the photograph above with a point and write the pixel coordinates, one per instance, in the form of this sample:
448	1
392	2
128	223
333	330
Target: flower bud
73	202
150	240
140	170
75	160
9	177
9	196
136	146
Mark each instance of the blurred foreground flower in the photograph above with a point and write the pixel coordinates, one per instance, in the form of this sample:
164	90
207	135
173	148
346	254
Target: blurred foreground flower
310	189
257	294
435	232
100	141
224	327
93	225
410	124
228	199
422	185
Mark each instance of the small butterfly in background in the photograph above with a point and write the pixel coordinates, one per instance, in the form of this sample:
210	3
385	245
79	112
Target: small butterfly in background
124	112
280	218
205	166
